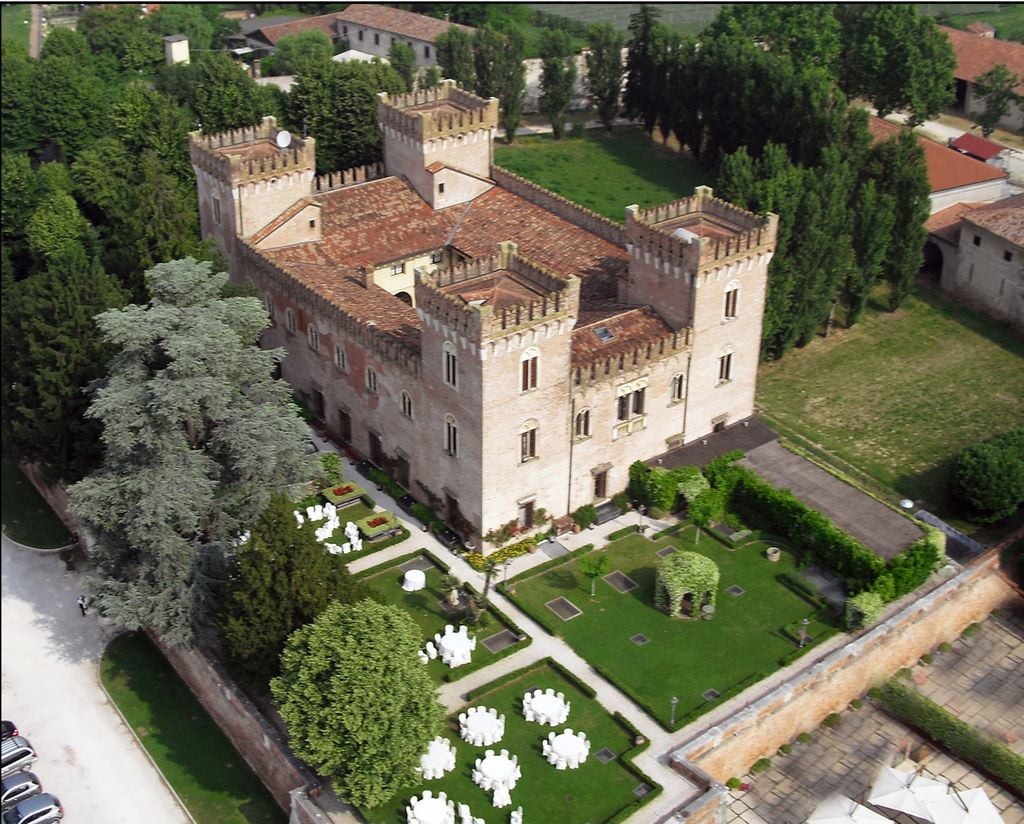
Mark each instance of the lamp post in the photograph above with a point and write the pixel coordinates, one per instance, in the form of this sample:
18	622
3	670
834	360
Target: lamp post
672	718
508	561
803	631
640	520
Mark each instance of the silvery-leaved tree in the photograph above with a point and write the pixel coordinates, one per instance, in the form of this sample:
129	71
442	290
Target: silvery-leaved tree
197	435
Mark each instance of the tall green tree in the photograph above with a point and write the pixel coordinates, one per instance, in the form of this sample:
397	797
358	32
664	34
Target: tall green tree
987	480
197	435
403	61
296	53
146	119
64	42
337	104
119	31
359	706
897	58
996	90
488	55
874	215
19	195
70	104
201	23
55	227
430	79
557	77
642	98
605	71
19	126
222	95
455	57
279	580
510	83
57	354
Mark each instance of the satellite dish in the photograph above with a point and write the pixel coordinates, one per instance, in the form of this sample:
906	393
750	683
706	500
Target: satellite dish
284	139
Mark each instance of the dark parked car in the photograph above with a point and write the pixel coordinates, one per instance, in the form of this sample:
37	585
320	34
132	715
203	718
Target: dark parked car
9	729
40	809
17	787
17	754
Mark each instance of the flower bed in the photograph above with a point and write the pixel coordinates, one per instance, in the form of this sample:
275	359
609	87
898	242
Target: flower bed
377	524
344	493
478	561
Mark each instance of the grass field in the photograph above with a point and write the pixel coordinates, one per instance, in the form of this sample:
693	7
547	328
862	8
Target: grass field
193	754
1006	18
424	606
605	173
14	19
27	518
900	394
686	18
594	792
682	658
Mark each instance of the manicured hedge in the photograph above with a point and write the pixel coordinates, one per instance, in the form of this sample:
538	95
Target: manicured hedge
585	688
961	739
622	533
573	679
549	564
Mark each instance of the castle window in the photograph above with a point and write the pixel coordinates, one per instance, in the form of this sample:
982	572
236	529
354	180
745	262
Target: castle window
440	188
216	210
289	320
583	424
678	387
313	338
371	380
725	368
622	413
340	357
312	224
1007	255
451	365
406	405
528	370
732	300
977	240
451	436
631	404
436	257
268	304
639	401
344	29
376	39
426	52
528	441
397	268
360	35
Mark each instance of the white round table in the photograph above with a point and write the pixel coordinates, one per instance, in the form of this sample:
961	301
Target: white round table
431	811
549	709
414	580
500	769
437	759
569	746
454	646
482	725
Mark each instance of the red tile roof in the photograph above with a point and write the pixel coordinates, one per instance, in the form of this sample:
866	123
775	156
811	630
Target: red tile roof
1004	218
630	328
404	23
976	146
947	168
975	55
945	224
273	33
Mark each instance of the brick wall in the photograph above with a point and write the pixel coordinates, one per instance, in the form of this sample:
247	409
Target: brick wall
801	702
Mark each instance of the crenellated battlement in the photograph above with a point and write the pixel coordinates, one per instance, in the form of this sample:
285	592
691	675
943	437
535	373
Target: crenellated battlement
439	112
250	154
602	368
440	298
346	177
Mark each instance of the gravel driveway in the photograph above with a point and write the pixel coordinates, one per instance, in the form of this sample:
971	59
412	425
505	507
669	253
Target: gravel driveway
50	689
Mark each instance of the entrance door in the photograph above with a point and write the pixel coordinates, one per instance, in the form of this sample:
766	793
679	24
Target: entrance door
344	426
318	404
401	471
376	451
526	515
601	484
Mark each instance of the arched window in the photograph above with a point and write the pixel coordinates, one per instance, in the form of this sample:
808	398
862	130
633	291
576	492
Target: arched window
268	304
451	435
528	441
732	300
451	365
725	365
583	423
340	357
289	320
406	405
371	380
678	387
528	369
313	338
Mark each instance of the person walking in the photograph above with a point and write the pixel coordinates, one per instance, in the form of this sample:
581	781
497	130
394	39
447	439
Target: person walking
82	604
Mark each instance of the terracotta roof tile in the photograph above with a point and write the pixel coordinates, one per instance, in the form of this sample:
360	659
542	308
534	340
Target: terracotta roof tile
947	168
978	147
1004	218
274	33
404	23
975	55
945	224
629	327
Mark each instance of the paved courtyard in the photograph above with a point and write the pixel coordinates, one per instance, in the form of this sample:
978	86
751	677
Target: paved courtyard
980	680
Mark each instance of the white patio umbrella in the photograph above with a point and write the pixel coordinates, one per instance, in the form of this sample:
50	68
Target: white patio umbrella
966	807
906	792
838	809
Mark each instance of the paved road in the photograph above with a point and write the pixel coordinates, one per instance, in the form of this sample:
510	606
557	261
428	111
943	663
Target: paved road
50	689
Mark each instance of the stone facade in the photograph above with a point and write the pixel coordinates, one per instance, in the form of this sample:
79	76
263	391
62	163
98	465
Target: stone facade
478	336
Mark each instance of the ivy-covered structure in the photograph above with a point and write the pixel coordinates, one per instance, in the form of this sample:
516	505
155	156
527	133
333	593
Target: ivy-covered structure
685	573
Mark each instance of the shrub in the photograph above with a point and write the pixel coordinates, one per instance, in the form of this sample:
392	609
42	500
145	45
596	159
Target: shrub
960	738
733	783
971	630
863	609
423	513
832	720
331	466
805	738
690	482
761	765
988	478
927	658
621	501
585	516
785	749
368	502
911	567
856	704
945	647
874	693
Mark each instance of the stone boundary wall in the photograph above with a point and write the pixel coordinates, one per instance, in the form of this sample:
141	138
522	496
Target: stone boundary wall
803	701
263	747
56	495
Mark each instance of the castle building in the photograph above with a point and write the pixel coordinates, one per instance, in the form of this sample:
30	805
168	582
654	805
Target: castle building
474	334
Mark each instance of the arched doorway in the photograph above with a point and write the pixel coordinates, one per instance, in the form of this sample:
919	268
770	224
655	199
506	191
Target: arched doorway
405	297
931	268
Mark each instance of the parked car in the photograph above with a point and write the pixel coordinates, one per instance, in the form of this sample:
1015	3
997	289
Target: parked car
17	787
17	754
40	809
9	729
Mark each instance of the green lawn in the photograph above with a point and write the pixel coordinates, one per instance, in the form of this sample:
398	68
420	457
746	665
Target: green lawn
195	757
605	173
424	606
686	18
27	518
1006	18
683	657
15	20
900	394
352	512
594	792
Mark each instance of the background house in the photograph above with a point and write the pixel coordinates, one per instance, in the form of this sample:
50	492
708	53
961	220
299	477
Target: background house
976	53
